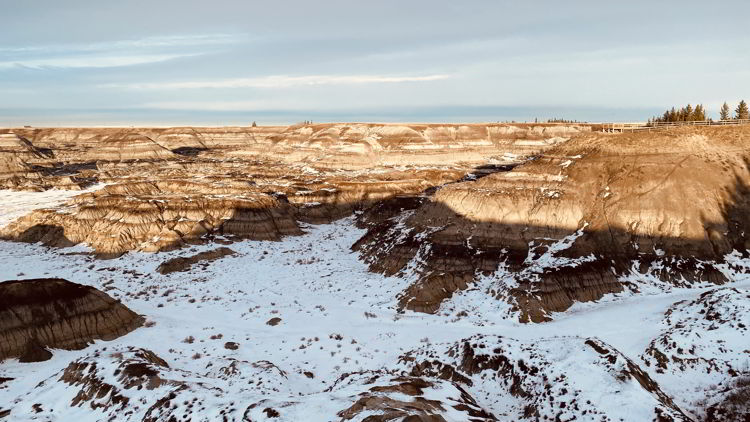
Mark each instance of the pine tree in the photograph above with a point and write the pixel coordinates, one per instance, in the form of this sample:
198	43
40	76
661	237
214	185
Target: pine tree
699	114
687	114
742	112
724	112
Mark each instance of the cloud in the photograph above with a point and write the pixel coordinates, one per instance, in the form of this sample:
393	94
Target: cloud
114	53
146	42
280	81
97	61
208	105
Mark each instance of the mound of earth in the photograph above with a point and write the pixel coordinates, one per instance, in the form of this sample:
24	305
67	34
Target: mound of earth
38	314
573	222
185	263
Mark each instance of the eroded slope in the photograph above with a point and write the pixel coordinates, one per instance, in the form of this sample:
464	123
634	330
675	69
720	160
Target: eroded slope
573	222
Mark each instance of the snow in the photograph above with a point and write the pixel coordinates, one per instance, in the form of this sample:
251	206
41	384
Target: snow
337	318
16	204
549	259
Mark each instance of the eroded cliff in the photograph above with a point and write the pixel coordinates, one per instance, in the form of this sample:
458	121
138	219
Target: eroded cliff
573	222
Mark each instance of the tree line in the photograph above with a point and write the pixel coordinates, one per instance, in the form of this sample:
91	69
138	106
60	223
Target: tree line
698	113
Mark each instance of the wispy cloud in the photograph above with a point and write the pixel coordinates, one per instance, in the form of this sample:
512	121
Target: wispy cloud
209	105
92	61
147	42
280	81
113	53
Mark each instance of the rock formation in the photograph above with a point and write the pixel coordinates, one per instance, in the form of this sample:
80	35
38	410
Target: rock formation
54	313
478	224
414	399
167	187
570	222
568	210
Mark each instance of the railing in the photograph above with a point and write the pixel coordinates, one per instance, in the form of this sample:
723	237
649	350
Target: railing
629	127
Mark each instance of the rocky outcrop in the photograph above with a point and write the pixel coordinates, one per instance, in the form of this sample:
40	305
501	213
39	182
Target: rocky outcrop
574	220
552	379
415	399
136	384
54	313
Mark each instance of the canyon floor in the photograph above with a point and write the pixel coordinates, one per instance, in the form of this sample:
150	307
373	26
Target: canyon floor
375	273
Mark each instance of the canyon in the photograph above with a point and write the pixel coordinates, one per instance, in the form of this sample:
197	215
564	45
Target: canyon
375	272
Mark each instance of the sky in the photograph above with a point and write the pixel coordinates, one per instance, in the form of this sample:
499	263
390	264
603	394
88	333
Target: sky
221	62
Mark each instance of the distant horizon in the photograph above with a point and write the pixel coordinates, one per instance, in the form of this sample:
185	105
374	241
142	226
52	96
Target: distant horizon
432	115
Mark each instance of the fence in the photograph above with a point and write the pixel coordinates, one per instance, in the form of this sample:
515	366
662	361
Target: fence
631	127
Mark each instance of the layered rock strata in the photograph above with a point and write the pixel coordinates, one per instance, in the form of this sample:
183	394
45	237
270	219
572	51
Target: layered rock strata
168	187
572	222
38	314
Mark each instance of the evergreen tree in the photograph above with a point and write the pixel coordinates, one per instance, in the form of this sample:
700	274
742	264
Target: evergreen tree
742	112
724	111
683	114
687	113
699	114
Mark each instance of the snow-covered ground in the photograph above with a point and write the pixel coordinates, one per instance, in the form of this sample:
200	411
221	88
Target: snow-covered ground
16	204
336	318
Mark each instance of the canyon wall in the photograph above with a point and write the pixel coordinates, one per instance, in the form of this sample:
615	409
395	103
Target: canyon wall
577	217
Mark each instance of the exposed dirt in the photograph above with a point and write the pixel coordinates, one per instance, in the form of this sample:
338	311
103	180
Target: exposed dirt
185	263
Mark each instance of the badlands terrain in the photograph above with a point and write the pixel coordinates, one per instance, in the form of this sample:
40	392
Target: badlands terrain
369	272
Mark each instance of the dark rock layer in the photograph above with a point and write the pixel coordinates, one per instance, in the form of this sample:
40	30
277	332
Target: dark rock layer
38	314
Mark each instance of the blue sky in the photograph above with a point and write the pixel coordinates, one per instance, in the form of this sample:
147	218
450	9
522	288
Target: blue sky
218	62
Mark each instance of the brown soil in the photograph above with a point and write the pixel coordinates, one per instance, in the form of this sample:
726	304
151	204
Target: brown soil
185	263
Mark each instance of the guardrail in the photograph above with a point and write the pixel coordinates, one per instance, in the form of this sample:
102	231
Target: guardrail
630	127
